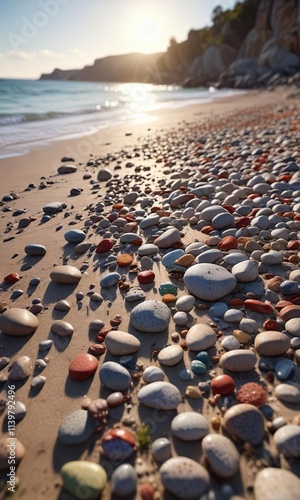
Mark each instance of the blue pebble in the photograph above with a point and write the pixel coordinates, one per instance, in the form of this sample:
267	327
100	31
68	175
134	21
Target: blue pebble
204	357
185	375
284	369
268	411
198	367
110	280
265	365
289	287
74	236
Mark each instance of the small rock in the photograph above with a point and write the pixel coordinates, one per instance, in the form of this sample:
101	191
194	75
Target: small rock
287	440
189	426
21	368
160	395
245	422
276	484
184	478
221	455
123	480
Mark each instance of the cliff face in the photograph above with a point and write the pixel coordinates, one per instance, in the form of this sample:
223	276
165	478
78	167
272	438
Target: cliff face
256	42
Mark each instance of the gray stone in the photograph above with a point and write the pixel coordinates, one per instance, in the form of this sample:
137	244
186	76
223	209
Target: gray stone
185	303
76	428
66	169
160	395
65	275
18	322
200	337
184	478
104	175
161	449
150	316
168	238
121	343
221	455
153	374
21	368
35	250
189	426
171	355
114	376
287	440
62	328
111	279
238	360
74	236
54	207
245	271
209	281
276	484
245	422
123	481
288	392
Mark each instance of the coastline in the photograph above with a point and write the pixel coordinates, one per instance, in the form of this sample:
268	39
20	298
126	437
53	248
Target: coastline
39	470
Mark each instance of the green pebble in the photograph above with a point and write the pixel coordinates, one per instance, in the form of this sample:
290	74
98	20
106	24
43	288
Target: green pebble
198	367
165	288
83	480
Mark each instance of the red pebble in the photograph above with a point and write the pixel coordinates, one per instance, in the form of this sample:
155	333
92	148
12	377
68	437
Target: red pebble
97	349
228	243
293	245
12	278
222	384
146	277
242	222
252	394
258	306
229	208
147	491
104	246
271	325
207	229
83	366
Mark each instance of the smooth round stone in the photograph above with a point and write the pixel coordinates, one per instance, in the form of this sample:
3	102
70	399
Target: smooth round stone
233	316
171	355
111	279
271	258
234	258
284	369
130	238
34	282
114	376
271	343
161	449
198	367
189	426
160	395
45	345
278	422
222	220
20	410
66	169
153	374
180	318
292	326
150	316
289	287
115	399
185	374
76	428
245	422
18	322
149	221
104	175
146	263
81	248
218	309
62	328
84	480
123	480
65	275
96	325
185	303
35	250
287	440
230	343
209	281
184	478
222	384
289	392
74	236
249	325
238	360
38	382
121	343
165	288
62	305
54	207
245	271
5	452
200	337
169	259
83	366
209	257
276	484
21	368
134	295
221	455
147	249
168	238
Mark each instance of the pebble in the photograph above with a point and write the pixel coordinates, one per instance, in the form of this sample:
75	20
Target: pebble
292	326
167	288
83	480
20	410
272	258
288	392
104	175
21	368
66	169
222	384
62	328
245	271
54	207
147	249
171	355
62	305
45	345
209	281
271	343
185	303
200	337
96	325
118	444
170	258
82	248
161	449
233	316
230	343
245	422
115	399
65	275
150	316
284	369
18	322
160	395
111	279
221	454
83	366
153	374
35	250
121	343
145	277
198	367
74	236
189	426
123	481
184	478
5	452
276	484
114	376
180	318
38	382
134	295
76	428
238	360
168	238
287	441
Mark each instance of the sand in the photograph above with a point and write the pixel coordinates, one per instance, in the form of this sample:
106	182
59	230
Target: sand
39	471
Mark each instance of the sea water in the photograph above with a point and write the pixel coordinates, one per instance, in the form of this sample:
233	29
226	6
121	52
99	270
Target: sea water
37	112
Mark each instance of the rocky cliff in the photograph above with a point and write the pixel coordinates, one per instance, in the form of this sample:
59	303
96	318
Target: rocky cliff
254	44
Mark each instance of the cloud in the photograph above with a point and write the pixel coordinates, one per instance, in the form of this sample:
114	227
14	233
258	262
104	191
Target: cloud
77	52
50	54
45	53
20	54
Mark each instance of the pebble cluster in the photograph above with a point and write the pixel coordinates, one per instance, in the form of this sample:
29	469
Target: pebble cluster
202	250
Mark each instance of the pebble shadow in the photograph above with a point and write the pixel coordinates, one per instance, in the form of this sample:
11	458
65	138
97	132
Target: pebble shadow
65	453
55	292
30	261
12	345
77	388
60	343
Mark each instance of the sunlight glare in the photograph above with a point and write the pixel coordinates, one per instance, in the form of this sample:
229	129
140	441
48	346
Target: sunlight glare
147	30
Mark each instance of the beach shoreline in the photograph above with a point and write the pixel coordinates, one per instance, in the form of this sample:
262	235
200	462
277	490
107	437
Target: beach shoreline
128	151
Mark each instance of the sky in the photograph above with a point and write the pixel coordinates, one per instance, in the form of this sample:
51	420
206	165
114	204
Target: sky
37	36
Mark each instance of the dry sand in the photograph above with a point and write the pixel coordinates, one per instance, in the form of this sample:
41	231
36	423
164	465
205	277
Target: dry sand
39	471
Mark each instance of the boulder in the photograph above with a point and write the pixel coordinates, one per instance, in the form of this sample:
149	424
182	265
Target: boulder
213	64
277	58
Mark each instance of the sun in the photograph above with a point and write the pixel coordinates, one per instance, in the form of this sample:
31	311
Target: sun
147	30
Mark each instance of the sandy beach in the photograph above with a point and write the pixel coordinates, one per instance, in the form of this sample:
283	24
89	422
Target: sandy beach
163	147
